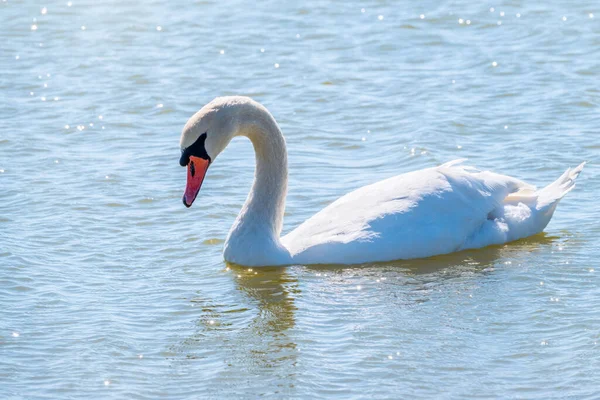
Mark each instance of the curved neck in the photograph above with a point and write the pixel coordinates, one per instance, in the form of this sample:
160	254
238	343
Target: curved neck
269	189
261	217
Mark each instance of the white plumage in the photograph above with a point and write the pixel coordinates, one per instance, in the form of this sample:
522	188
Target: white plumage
413	215
423	213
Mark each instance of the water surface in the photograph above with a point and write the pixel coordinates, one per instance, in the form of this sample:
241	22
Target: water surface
111	288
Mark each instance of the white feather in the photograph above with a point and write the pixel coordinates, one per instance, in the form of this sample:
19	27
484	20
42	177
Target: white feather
413	215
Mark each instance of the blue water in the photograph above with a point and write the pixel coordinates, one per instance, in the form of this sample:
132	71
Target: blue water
111	288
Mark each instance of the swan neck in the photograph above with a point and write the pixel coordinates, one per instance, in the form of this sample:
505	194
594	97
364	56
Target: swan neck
261	217
267	196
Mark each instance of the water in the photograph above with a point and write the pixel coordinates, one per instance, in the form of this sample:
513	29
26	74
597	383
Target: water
111	288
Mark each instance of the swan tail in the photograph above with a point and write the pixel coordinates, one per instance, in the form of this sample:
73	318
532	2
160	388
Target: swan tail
542	203
549	196
528	211
524	212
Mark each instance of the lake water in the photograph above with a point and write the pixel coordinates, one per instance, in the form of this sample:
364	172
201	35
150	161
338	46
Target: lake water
111	288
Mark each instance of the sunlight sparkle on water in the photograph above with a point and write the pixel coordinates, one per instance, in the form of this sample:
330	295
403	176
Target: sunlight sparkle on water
34	27
564	18
262	320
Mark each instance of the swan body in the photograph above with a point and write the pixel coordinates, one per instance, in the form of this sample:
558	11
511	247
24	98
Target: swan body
418	214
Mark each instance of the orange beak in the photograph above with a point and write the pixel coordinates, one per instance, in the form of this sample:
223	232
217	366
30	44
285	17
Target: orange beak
196	170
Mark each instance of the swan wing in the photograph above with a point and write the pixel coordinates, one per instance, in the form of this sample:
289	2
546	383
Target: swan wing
413	215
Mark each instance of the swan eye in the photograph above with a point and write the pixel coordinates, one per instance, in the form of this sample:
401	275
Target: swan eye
192	169
197	149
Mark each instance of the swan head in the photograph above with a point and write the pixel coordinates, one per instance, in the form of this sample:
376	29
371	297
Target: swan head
205	136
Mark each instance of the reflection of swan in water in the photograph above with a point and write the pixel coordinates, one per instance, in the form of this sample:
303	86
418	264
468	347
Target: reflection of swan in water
250	334
264	342
270	288
403	284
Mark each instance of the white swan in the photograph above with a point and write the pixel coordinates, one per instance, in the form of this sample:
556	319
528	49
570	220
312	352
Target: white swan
418	214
